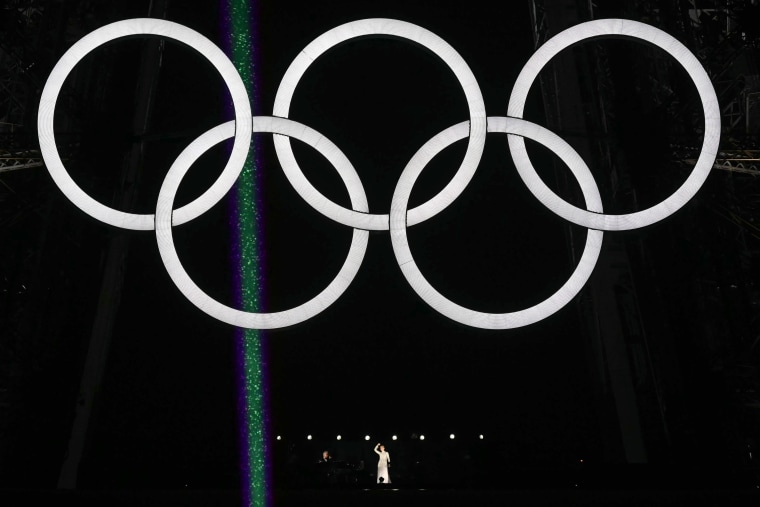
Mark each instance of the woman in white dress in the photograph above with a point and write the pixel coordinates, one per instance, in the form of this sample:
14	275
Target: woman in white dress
383	462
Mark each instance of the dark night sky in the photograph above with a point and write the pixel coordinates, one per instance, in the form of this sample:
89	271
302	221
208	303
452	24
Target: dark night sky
379	361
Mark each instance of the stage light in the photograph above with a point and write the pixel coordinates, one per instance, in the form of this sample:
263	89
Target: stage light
451	436
279	437
481	437
308	437
422	437
339	437
394	437
366	437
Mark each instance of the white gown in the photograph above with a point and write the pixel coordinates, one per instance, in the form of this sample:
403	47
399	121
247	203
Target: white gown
383	462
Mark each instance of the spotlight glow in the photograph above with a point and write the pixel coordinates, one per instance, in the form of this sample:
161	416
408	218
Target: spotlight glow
422	437
394	437
339	437
451	436
245	229
366	437
308	437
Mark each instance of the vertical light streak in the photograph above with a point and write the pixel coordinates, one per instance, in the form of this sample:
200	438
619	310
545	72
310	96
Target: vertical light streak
246	225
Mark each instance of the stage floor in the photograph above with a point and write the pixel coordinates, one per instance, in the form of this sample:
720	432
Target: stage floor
393	498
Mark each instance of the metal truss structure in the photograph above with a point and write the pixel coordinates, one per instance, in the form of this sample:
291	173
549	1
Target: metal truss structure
724	36
32	32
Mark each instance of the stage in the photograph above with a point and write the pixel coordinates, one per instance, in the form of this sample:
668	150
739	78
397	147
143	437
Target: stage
396	497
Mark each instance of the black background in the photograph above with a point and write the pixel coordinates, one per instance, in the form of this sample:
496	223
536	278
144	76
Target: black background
379	361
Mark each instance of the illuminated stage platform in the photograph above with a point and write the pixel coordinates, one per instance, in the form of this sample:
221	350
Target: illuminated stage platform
397	498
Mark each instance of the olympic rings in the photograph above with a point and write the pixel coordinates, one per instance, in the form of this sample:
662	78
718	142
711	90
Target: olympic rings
143	26
450	309
404	31
634	30
202	300
358	217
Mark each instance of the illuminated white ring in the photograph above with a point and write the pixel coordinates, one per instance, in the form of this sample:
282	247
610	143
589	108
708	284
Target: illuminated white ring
143	26
635	30
436	300
406	31
211	306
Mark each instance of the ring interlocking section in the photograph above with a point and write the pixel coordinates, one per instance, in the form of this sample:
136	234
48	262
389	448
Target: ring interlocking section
358	217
